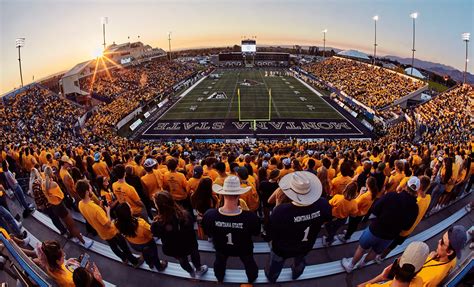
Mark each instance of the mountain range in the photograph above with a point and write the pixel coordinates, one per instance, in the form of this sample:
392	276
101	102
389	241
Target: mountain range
437	68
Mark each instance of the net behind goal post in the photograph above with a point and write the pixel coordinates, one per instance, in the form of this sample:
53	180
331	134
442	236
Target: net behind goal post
253	121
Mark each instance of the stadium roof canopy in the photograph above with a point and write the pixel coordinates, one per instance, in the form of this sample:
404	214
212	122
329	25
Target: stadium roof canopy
416	73
354	54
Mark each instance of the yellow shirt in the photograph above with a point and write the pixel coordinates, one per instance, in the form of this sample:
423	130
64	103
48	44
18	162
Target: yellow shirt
433	272
127	193
423	203
97	217
364	202
193	184
285	171
153	182
4	233
176	184
394	181
63	277
250	197
143	233
341	207
54	195
100	168
415	282
339	183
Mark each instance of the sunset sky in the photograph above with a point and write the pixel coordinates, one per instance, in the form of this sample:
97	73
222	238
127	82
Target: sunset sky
60	34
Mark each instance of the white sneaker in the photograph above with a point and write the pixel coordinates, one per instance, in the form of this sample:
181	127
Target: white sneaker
75	240
87	243
346	263
201	271
341	237
378	259
26	242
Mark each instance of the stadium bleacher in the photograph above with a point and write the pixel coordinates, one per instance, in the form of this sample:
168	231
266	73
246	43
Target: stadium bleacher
41	130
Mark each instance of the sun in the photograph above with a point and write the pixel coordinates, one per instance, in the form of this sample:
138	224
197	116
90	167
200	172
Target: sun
97	52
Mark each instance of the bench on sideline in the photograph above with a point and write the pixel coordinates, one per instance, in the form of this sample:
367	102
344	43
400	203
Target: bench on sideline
238	276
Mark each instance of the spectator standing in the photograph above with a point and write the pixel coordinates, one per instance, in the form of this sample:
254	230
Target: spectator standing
101	221
294	226
174	226
231	229
394	212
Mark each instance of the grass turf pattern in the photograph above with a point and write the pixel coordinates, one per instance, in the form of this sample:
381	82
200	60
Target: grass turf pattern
254	88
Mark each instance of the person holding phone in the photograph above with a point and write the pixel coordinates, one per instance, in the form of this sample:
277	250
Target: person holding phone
404	271
102	223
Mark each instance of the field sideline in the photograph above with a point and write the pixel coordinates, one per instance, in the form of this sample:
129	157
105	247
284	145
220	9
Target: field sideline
290	99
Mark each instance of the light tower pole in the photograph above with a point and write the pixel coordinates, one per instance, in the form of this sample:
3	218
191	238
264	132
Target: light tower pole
169	43
465	38
20	42
413	16
324	43
105	20
376	18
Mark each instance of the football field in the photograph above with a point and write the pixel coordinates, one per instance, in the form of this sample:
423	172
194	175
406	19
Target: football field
236	103
218	98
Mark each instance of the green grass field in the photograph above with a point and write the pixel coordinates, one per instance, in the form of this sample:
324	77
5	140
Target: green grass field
254	99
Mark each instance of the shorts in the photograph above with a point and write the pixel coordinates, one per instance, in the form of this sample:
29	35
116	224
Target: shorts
398	241
60	210
369	241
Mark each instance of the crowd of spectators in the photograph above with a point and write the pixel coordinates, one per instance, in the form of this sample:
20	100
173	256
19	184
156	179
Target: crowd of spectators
448	116
37	114
356	179
373	86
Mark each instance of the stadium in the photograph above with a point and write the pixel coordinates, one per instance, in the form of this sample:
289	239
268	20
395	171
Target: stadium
251	164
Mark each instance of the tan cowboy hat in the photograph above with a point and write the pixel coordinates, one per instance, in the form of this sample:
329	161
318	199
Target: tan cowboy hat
231	187
302	187
66	159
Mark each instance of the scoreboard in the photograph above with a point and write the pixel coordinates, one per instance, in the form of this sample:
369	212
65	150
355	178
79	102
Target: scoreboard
249	46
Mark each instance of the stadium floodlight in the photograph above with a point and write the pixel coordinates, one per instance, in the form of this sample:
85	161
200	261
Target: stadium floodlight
465	38
104	21
169	43
375	18
19	43
413	15
324	42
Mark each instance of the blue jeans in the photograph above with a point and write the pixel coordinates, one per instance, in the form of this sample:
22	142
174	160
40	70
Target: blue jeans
20	196
8	222
277	263
150	253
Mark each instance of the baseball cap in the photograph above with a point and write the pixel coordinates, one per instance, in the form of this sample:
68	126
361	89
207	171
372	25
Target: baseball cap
150	162
287	161
265	164
197	171
415	255
97	156
57	155
457	239
414	183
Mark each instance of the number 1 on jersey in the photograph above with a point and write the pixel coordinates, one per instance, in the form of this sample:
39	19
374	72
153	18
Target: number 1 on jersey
229	239
306	232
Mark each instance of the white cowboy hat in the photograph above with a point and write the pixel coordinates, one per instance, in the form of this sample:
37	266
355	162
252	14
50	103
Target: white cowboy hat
302	187
231	187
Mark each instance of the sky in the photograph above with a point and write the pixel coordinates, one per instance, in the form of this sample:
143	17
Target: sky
60	34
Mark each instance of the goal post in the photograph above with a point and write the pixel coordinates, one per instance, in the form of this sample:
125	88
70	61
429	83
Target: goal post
255	120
